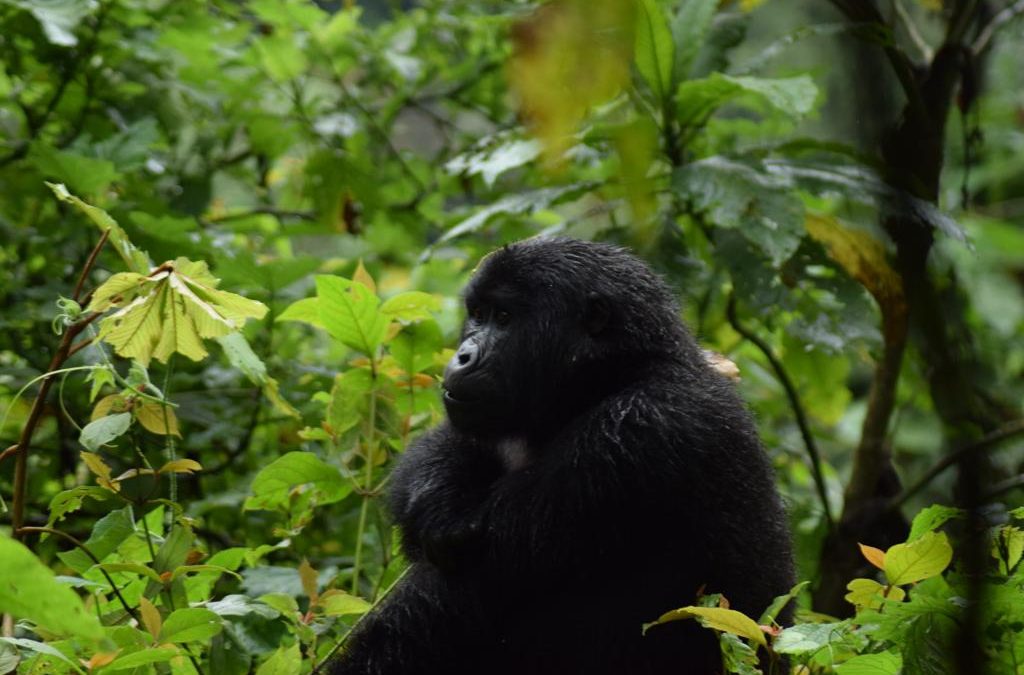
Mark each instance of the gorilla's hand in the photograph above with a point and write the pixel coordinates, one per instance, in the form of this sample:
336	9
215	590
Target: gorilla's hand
437	494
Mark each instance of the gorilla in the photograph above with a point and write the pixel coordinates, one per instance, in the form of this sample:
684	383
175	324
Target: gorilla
594	472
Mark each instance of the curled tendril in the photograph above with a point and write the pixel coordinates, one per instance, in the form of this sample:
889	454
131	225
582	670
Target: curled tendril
68	312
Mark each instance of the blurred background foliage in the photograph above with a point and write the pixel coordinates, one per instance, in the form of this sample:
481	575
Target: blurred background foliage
836	190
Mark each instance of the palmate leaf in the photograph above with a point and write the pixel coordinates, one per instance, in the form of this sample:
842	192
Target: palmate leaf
172	309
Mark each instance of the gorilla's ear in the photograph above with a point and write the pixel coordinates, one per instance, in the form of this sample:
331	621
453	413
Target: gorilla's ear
596	314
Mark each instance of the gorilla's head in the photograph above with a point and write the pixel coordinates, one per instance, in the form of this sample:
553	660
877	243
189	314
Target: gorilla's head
551	326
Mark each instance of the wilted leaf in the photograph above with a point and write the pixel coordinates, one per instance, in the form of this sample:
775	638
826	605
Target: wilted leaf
920	559
308	576
172	309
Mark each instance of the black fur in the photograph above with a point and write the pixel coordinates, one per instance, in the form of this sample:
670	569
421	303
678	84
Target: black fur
615	476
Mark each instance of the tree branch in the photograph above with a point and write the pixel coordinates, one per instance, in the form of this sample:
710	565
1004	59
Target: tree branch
794	402
981	43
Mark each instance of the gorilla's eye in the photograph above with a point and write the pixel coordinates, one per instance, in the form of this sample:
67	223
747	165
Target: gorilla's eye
502	317
476	314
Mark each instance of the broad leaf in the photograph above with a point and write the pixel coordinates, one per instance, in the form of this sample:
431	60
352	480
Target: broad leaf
654	49
719	618
190	624
920	559
104	430
351	313
871	594
697	100
272	485
31	592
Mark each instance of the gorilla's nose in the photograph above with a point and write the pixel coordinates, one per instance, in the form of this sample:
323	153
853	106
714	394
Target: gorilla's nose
465	358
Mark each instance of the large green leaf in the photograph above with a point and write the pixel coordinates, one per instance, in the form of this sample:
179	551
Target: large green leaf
272	485
190	624
351	313
697	100
689	30
105	429
108	533
922	558
654	49
28	590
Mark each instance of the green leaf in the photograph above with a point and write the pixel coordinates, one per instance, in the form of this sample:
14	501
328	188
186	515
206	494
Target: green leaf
697	100
272	485
142	657
492	162
779	603
132	568
339	603
718	618
191	624
136	260
71	500
28	590
349	398
931	518
58	18
654	48
108	533
737	195
517	204
416	346
40	648
351	313
284	661
689	31
809	637
882	663
306	310
920	559
105	429
86	175
411	306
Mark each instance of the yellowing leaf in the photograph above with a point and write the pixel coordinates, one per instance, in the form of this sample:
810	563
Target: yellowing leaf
569	56
181	466
308	576
96	465
863	258
875	556
172	309
718	618
158	419
115	403
871	594
363	277
920	559
150	617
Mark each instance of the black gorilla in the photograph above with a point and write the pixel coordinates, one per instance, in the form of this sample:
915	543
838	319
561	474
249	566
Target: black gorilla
594	473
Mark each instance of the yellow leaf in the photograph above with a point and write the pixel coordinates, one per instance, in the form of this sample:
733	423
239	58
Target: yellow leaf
875	556
114	403
363	277
157	418
100	659
718	618
181	466
150	617
96	465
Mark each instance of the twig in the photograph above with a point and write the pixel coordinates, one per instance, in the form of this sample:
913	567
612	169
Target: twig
794	402
36	413
986	442
1004	486
998	21
908	24
85	549
89	262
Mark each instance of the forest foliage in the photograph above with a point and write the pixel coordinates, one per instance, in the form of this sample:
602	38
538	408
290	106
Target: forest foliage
233	236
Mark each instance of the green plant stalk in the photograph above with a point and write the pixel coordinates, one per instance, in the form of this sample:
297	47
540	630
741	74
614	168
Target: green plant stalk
370	440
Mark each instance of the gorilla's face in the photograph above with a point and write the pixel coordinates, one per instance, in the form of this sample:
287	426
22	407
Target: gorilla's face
537	326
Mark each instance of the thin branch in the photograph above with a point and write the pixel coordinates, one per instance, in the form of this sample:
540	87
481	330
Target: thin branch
998	21
261	210
9	452
908	24
794	402
986	442
85	549
1005	486
89	262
